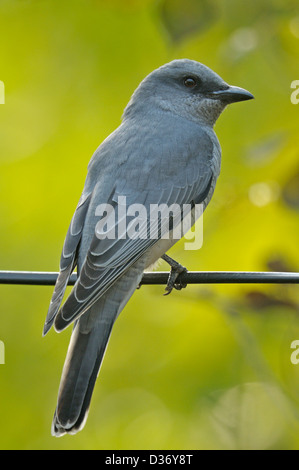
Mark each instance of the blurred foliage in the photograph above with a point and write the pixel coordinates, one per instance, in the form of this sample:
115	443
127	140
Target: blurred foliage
205	368
182	18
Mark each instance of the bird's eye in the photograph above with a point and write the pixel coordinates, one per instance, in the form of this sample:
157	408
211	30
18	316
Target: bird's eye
189	82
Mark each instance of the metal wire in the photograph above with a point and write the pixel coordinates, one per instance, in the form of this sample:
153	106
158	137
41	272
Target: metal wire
36	278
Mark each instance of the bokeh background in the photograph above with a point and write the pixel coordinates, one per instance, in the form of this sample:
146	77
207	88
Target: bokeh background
205	368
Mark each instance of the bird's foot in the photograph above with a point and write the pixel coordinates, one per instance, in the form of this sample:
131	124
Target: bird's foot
176	269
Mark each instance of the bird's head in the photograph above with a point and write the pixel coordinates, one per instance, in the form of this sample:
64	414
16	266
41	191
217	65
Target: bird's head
186	88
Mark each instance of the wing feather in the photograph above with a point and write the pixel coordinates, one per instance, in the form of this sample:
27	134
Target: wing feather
68	259
102	268
179	171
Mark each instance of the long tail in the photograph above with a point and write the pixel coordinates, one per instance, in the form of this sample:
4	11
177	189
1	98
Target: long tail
85	355
81	368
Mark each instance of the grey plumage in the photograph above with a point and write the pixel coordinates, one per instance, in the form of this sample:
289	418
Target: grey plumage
164	151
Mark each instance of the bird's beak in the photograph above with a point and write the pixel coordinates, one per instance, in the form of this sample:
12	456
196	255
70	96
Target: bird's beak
232	94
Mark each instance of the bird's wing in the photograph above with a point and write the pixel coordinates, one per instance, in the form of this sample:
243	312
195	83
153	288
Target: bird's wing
107	259
131	163
68	259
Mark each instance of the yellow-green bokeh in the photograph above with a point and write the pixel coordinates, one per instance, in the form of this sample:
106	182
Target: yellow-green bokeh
205	368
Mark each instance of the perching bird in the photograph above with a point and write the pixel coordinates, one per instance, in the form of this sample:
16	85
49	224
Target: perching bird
164	152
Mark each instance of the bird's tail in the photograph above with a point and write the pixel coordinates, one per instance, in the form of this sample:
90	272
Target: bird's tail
85	354
82	364
86	351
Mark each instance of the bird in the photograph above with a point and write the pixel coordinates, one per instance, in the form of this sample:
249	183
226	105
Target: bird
164	151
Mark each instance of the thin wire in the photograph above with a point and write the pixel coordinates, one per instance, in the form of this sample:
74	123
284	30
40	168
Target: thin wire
37	278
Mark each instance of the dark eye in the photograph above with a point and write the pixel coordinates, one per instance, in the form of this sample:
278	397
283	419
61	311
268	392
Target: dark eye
189	82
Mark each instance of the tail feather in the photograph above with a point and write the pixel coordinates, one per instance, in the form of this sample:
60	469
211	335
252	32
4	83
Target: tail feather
85	354
83	361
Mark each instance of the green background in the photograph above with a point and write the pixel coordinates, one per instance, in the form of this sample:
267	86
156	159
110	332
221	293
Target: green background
205	368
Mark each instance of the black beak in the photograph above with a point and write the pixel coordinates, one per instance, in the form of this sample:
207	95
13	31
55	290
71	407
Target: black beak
232	94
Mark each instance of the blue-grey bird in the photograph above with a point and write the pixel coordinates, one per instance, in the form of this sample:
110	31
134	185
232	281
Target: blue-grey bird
165	151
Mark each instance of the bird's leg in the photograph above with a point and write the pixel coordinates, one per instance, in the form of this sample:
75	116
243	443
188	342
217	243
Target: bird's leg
175	271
